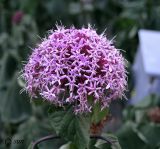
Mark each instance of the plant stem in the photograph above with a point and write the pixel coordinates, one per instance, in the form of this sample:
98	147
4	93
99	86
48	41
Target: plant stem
50	137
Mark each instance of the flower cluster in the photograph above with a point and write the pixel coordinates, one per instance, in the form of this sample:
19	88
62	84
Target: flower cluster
72	65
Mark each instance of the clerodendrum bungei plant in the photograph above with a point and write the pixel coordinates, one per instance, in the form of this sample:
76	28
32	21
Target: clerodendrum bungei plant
80	73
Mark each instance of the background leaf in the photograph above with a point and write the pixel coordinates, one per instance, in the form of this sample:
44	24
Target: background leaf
33	130
113	139
68	145
15	106
128	138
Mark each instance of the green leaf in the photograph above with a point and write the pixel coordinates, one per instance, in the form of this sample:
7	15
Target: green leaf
68	145
140	116
133	32
7	70
129	139
72	127
145	103
111	138
32	130
15	107
151	132
98	114
92	144
129	113
30	146
4	39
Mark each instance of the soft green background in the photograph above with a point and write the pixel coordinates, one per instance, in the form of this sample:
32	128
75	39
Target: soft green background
122	19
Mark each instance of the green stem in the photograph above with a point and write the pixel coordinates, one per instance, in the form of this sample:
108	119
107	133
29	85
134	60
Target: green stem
50	137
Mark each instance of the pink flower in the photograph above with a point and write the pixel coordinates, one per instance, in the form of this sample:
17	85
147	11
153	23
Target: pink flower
72	64
17	17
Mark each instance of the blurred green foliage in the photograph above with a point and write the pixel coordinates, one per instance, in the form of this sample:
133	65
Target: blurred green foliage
141	128
121	18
